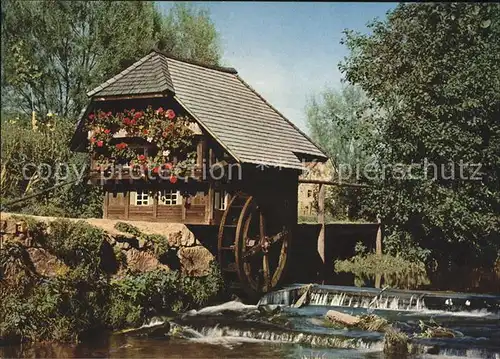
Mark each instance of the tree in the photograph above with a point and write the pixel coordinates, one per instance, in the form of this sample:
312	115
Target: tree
35	161
434	70
55	51
189	33
337	121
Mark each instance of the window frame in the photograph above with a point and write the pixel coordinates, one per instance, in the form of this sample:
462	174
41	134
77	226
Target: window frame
139	196
174	194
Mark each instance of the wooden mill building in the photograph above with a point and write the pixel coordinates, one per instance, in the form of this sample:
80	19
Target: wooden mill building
255	153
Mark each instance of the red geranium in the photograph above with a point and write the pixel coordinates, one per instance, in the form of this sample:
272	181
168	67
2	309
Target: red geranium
138	115
141	157
168	166
173	179
121	145
132	122
160	110
156	169
107	131
99	143
109	113
91	116
145	131
126	121
170	114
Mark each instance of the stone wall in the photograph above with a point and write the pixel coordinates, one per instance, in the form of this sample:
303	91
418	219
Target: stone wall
122	250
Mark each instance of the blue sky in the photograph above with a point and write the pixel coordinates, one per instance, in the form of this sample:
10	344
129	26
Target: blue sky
288	51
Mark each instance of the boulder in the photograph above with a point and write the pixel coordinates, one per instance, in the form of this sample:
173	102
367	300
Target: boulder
141	243
45	263
342	318
123	245
195	261
181	238
143	261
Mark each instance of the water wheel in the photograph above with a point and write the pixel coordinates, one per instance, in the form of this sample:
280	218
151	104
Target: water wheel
253	244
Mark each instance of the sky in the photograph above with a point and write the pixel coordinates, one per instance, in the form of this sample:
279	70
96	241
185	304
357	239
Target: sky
288	51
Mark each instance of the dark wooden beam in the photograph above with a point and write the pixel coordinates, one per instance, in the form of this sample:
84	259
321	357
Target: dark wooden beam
128	97
321	236
331	183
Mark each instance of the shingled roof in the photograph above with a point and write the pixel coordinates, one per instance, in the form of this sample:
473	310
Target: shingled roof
226	106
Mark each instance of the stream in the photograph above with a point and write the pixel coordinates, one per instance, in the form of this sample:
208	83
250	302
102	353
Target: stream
276	328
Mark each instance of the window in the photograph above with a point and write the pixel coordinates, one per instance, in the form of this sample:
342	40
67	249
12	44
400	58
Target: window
309	193
141	198
169	198
220	201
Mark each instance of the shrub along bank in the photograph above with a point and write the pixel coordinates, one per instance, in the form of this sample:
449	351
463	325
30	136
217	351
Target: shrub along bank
79	294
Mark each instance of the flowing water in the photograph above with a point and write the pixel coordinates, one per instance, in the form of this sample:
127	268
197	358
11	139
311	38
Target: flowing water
275	328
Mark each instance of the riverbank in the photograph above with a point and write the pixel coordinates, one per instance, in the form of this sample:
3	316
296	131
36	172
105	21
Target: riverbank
233	329
67	279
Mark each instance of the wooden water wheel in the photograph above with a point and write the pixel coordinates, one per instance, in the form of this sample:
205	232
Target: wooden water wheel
253	244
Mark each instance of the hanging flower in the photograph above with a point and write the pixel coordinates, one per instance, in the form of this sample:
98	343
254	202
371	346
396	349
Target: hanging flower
170	114
157	126
121	145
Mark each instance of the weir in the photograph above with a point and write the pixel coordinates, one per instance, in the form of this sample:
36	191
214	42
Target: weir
389	299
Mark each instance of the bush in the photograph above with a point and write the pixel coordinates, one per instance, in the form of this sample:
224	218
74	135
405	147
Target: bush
159	242
76	243
85	299
394	270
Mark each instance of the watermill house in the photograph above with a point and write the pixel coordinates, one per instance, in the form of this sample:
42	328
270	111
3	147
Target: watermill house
177	141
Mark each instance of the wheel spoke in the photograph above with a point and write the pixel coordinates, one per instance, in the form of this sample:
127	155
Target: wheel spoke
262	226
277	237
252	251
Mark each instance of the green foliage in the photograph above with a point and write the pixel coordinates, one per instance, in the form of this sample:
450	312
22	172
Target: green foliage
373	323
395	271
35	161
65	307
189	33
339	122
432	73
17	274
434	330
128	228
76	243
396	343
137	296
158	242
61	49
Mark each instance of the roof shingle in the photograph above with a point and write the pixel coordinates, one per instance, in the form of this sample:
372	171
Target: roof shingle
235	114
